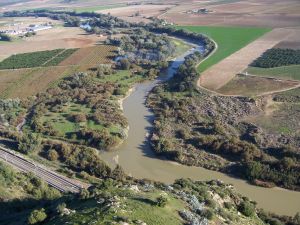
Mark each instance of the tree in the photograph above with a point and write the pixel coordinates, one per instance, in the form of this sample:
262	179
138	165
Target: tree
161	201
28	143
96	30
5	37
61	207
124	64
247	208
37	216
254	170
52	155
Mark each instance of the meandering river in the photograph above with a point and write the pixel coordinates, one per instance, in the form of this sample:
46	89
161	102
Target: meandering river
137	158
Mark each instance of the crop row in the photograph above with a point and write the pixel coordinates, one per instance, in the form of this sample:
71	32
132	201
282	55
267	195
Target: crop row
277	57
36	59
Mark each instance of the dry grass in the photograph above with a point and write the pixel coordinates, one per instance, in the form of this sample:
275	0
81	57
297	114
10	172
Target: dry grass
221	73
253	86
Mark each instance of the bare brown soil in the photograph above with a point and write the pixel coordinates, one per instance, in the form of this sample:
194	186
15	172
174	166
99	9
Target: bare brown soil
58	37
145	12
268	13
218	75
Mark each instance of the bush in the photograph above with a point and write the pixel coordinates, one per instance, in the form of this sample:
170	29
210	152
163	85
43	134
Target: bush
208	213
37	216
161	201
247	208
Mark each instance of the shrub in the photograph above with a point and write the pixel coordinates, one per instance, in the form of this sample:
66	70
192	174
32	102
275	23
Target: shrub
161	201
37	216
247	208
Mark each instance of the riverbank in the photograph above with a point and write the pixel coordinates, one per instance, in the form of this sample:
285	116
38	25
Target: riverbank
137	158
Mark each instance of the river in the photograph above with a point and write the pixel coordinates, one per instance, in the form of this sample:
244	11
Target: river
138	159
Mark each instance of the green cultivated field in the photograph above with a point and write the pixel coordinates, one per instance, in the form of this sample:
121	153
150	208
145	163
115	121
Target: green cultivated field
36	59
283	72
229	40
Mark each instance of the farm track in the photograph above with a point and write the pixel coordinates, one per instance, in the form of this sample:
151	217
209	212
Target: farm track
59	182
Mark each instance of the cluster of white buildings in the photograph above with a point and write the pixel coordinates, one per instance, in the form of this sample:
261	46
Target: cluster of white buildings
18	29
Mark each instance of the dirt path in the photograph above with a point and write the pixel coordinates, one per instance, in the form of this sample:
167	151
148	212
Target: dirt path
221	73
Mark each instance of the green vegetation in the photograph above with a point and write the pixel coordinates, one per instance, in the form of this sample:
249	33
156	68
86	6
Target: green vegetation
276	57
134	201
98	8
17	185
282	72
228	39
5	37
36	59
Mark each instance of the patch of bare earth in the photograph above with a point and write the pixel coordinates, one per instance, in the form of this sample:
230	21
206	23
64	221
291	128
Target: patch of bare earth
58	37
218	75
144	12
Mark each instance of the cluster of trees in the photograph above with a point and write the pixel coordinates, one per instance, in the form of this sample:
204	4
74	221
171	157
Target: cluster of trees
145	47
81	89
184	78
181	33
77	158
276	57
5	37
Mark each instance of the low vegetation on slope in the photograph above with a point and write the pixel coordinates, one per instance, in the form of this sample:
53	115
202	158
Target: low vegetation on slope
228	39
125	200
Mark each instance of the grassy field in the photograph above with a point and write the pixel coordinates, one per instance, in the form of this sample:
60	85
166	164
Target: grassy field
229	40
252	86
283	72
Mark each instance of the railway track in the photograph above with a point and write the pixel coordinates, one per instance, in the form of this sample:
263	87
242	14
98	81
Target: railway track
59	182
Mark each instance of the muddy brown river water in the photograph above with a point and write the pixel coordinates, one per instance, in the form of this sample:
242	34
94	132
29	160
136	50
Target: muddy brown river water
137	158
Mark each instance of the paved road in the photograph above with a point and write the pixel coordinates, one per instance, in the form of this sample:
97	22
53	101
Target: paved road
59	182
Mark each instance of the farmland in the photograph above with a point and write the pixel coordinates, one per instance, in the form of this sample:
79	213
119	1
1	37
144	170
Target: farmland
219	74
98	8
56	38
256	13
253	86
229	40
282	72
36	59
30	81
277	57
